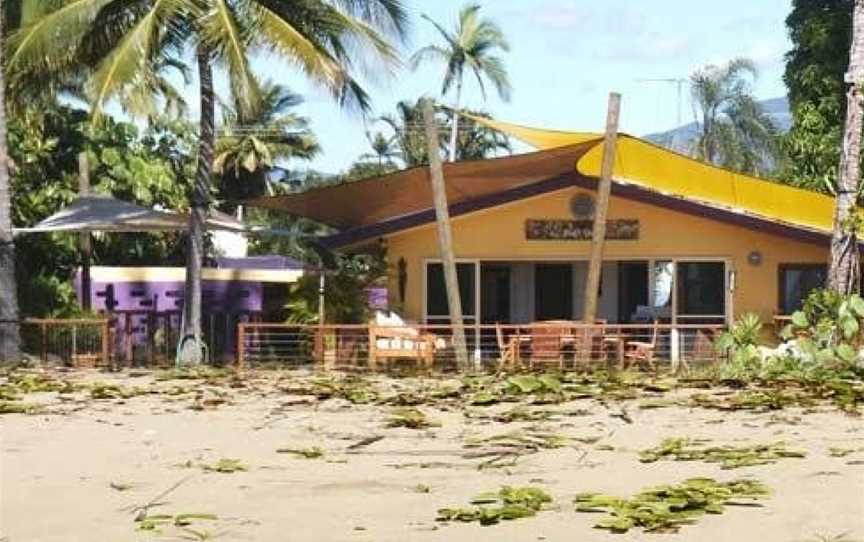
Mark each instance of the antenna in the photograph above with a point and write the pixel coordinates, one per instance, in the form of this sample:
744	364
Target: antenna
679	83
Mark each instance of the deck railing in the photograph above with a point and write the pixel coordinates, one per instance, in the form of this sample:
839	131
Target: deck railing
535	346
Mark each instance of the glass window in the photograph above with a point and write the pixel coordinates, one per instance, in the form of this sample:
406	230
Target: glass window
662	287
701	288
436	292
796	283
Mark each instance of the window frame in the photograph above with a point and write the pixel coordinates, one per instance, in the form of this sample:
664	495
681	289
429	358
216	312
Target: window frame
783	268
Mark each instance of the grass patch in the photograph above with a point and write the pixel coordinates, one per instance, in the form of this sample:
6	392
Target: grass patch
507	504
729	457
665	509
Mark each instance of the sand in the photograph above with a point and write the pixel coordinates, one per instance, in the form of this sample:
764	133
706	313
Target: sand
57	469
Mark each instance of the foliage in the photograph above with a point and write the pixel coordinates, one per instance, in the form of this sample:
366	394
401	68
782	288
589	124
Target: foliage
821	33
149	167
225	466
666	508
729	457
829	328
306	453
741	341
411	418
734	130
252	142
469	45
507	504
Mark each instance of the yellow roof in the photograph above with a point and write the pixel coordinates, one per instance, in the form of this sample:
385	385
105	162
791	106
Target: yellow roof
644	164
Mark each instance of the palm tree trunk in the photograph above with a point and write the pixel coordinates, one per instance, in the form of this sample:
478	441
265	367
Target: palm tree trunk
10	339
191	351
843	275
454	130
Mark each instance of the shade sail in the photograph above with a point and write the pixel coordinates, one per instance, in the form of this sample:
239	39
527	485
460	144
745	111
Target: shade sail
658	169
370	201
96	213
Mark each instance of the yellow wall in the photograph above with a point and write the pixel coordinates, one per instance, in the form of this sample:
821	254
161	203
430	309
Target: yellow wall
499	233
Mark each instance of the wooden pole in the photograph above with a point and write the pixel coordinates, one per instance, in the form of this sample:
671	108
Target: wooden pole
86	243
445	235
598	238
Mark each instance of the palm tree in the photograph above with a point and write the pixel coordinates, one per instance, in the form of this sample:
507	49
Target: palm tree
9	332
407	127
384	149
734	131
119	40
471	44
845	269
251	143
477	141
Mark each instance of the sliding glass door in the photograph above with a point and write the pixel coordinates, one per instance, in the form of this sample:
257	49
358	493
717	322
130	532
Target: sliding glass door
701	292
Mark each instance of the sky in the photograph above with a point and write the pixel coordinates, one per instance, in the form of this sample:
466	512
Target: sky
566	56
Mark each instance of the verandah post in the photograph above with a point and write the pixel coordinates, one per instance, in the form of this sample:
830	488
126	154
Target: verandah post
445	235
604	189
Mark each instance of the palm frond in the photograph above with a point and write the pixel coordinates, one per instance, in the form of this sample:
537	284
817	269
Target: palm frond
223	31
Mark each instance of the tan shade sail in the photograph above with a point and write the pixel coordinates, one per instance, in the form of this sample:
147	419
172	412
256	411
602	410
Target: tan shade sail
366	202
96	213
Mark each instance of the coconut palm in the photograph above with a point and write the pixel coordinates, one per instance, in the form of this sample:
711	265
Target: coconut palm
122	42
384	149
9	336
734	131
471	44
251	143
407	127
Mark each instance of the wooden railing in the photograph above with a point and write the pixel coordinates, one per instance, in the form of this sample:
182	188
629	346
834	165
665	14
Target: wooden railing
79	342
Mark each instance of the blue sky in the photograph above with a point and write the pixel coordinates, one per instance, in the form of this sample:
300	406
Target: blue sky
566	56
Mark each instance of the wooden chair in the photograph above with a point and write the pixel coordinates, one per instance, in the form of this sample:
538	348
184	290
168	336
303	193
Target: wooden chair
641	352
405	342
508	348
547	342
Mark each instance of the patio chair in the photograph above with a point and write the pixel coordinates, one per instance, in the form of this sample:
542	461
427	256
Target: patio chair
641	352
548	341
508	348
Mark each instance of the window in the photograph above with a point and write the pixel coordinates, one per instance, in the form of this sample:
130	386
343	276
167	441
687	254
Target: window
796	283
437	308
701	288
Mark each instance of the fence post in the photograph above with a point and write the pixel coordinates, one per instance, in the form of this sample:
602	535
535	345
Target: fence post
241	346
44	327
675	347
105	342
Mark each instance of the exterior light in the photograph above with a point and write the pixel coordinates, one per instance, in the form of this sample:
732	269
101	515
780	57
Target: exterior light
755	258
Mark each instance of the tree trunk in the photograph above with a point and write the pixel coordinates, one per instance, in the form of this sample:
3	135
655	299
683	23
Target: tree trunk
604	189
191	351
10	339
454	130
445	236
844	272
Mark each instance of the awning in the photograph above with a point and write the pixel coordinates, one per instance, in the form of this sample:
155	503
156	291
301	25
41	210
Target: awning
366	202
95	213
655	168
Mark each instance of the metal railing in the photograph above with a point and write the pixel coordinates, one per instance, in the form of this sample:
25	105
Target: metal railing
548	345
82	342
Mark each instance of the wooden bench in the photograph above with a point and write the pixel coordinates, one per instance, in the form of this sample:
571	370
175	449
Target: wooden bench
398	342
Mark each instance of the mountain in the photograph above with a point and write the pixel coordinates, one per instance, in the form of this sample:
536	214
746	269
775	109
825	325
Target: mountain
681	139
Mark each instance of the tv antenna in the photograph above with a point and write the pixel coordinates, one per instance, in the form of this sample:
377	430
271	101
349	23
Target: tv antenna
679	83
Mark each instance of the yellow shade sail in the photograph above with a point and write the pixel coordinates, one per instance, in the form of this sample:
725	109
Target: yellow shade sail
649	166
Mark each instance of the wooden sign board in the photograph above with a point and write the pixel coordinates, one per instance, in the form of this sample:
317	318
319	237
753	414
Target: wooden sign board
579	230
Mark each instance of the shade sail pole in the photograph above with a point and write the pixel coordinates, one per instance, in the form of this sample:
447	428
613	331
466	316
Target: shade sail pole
86	242
598	238
445	235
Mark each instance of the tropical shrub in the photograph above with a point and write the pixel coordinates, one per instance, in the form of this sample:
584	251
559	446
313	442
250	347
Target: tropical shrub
741	342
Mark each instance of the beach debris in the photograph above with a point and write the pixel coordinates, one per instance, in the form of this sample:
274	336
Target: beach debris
666	508
412	418
729	457
362	443
225	466
509	503
313	452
